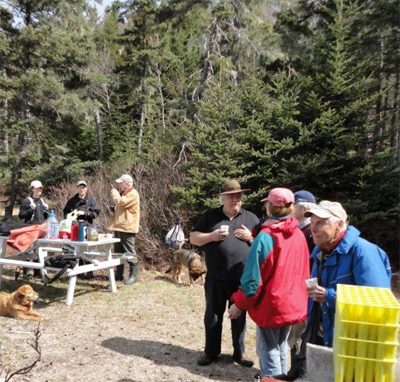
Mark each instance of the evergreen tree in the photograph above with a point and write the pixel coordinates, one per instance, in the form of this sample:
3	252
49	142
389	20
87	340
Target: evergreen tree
47	48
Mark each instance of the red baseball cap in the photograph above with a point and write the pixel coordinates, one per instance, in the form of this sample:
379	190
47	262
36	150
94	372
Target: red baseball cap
280	197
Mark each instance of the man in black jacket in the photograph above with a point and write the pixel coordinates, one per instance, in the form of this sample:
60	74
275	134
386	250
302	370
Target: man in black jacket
82	202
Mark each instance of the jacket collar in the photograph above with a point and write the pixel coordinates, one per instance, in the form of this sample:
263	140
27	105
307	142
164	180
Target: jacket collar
343	248
281	223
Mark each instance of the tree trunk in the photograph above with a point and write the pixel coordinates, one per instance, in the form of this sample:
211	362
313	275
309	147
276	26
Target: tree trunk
378	121
6	145
213	44
141	128
158	72
15	176
395	120
99	135
25	115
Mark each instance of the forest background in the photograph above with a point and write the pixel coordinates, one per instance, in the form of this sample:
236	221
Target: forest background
186	94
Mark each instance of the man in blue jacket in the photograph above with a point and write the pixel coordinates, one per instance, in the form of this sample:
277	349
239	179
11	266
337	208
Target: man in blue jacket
341	256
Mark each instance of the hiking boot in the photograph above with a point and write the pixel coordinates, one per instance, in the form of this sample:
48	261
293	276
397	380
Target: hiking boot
205	360
243	360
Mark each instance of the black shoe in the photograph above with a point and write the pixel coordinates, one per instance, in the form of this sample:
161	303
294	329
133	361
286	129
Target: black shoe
243	360
282	377
205	360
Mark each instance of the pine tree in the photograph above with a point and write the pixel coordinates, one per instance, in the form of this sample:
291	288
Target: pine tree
45	108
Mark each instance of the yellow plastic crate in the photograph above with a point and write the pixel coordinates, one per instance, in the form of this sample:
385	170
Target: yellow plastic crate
366	332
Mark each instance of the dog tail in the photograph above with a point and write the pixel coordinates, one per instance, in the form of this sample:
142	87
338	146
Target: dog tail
169	270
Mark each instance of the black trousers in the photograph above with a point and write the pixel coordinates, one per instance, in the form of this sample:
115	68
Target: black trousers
217	295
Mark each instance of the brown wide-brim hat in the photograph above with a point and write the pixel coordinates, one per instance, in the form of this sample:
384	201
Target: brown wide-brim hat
232	187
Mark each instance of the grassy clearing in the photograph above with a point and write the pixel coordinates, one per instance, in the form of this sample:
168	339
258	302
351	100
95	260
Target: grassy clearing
151	331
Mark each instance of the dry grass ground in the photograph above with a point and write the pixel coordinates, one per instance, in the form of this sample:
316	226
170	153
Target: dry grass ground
151	331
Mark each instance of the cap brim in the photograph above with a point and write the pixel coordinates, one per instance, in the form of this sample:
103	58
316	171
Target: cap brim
234	192
318	212
119	180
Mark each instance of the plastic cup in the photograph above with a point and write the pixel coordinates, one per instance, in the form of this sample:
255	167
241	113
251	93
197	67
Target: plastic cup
312	283
109	236
225	228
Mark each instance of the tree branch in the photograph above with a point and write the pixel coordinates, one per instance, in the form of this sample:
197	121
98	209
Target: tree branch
36	347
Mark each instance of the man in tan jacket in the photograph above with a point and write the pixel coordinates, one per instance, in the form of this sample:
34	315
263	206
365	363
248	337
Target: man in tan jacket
125	223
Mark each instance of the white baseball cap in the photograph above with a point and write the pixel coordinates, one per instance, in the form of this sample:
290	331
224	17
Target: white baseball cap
36	184
125	178
81	183
327	209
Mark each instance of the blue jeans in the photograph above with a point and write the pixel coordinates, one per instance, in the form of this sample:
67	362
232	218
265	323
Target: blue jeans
272	350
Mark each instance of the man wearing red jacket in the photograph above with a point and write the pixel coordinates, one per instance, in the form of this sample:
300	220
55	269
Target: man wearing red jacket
272	288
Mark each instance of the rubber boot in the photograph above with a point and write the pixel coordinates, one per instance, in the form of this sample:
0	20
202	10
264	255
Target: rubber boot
298	367
119	276
302	367
132	274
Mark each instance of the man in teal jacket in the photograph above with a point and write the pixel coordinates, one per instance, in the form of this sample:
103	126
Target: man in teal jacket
341	256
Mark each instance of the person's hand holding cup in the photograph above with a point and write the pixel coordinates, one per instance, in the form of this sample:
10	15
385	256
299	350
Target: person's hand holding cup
316	292
225	228
311	285
221	233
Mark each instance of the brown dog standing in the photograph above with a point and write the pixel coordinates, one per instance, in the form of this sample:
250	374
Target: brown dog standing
19	304
189	259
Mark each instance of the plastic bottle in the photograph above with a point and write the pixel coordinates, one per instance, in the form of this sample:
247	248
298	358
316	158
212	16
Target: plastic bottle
74	230
52	227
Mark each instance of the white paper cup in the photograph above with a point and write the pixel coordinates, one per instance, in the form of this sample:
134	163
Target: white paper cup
225	228
109	236
312	283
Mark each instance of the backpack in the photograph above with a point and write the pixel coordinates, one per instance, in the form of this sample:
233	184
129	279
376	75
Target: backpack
64	262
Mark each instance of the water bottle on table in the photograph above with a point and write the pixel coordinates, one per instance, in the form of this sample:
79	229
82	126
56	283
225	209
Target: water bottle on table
52	227
81	232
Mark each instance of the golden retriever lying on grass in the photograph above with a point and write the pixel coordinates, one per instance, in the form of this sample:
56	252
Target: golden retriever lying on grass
19	304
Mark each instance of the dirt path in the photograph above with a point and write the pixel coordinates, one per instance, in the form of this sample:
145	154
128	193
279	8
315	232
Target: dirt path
152	331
